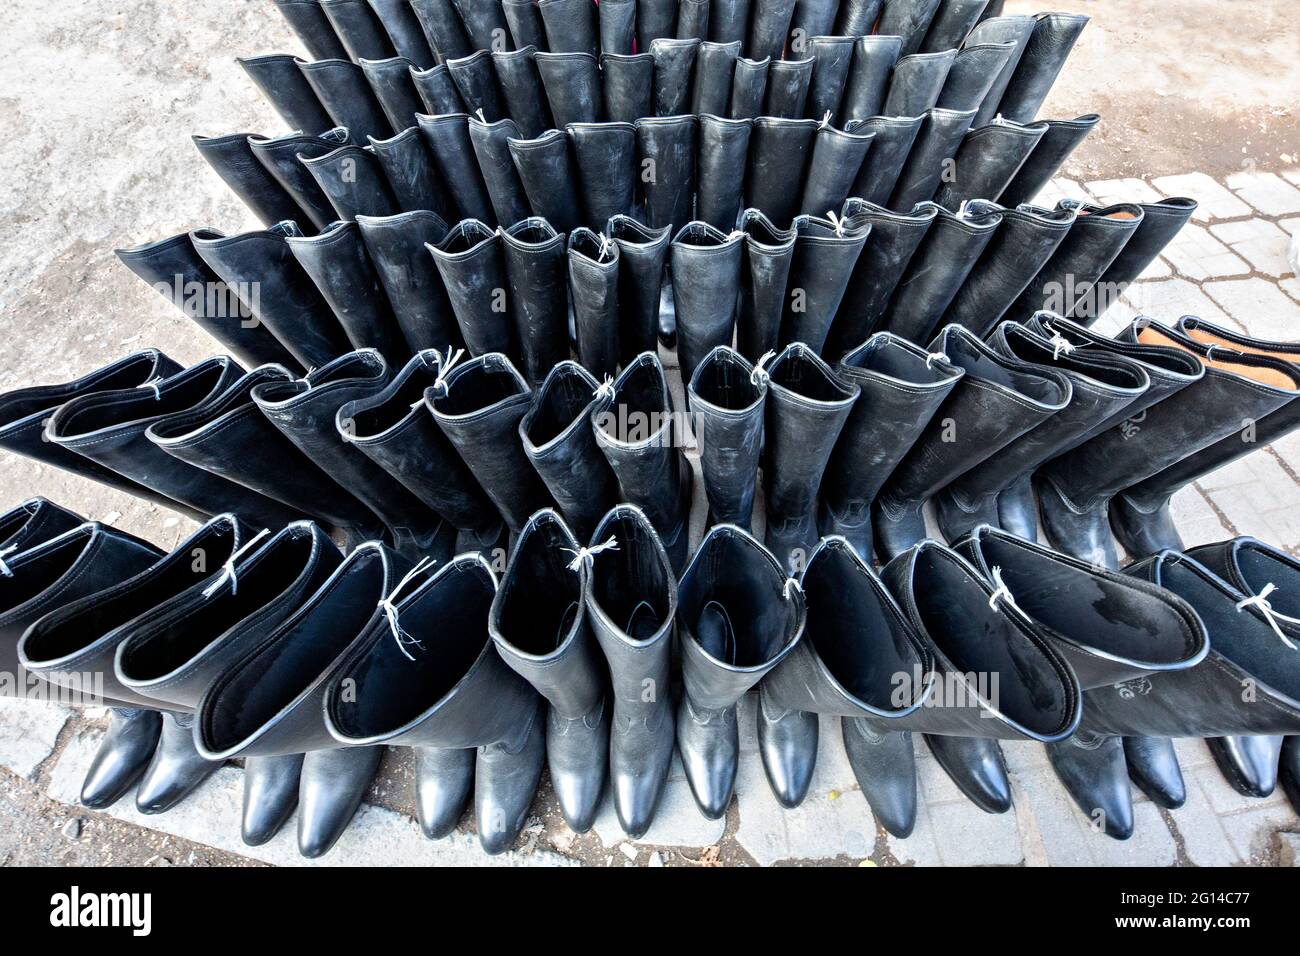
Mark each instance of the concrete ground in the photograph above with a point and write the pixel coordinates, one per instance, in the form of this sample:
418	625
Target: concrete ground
98	102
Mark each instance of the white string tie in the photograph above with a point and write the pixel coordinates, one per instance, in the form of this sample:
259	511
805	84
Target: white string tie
935	357
760	376
605	389
5	570
390	609
448	364
791	584
1002	591
1060	346
1260	601
826	120
153	383
837	222
588	554
228	569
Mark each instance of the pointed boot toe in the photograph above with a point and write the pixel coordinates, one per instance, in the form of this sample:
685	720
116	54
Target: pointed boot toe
709	743
1097	779
1289	771
1249	764
787	741
270	796
329	794
176	769
122	757
505	781
577	752
885	767
443	782
1153	767
977	767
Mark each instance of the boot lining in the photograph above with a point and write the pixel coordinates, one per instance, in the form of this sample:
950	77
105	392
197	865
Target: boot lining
1274	378
1209	338
536	600
34	577
738	591
632	585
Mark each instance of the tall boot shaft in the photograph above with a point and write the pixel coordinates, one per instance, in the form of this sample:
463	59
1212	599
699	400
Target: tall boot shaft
825	254
572	83
764	276
405	31
1049	45
666	152
868	80
491	143
438	91
232	159
909	19
443	28
937	142
952	23
617	24
627	86
779	153
837	158
1059	141
987	161
974	71
892	142
769	24
593	287
1161	222
353	180
448	140
527	27
537	269
706	287
393	87
32	522
522	92
715	69
476	81
642	253
724	148
605	156
550	181
726	396
313	28
359	28
345	93
748	88
398	248
832	58
1015	30
916	82
281	157
473	270
674	66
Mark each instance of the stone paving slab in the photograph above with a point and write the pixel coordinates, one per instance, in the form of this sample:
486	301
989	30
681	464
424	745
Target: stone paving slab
29	731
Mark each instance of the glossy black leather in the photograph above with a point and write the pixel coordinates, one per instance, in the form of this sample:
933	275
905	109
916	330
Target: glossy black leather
280	156
354	181
642	253
572	84
1053	37
617	25
832	58
408	167
232	159
952	23
974	71
1161	221
868	79
605	157
485	24
392	85
1060	140
748	88
723	151
549	179
522	93
779	153
769	23
476	81
404	30
447	137
727	397
593	288
826	251
359	28
894	137
715	69
837	158
398	247
674	61
627	87
537	270
1015	30
916	82
473	269
909	19
443	27
764	275
693	19
312	27
987	161
705	269
32	522
345	93
437	90
669	145
937	142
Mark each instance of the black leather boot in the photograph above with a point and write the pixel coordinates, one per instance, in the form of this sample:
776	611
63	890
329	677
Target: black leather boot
34	521
537	270
909	19
726	397
706	286
605	156
627	87
724	149
280	156
631	606
476	81
715	70
1015	30
173	267
868	80
572	84
728	20
571	26
739	617
491	143
473	270
478	404
892	240
405	31
938	268
550	181
617	25
974	71
937	142
454	159
398	247
1024	241
1102	388
674	66
748	88
638	431
443	28
232	159
1161	221
353	181
1065	284
1049	45
787	88
901	388
522	93
952	23
557	437
540	627
693	19
826	251
764	275
485	24
344	91
837	158
438	91
359	28
769	25
987	161
1060	140
779	153
832	57
312	27
337	261
642	253
998	400
807	408
892	141
593	287
666	153
428	675
917	82
394	430
261	269
393	87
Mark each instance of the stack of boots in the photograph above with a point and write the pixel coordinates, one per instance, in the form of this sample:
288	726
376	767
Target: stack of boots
312	27
892	140
706	285
892	241
826	251
739	617
665	155
557	437
171	652
358	26
405	32
997	401
231	438
727	398
232	159
25	411
343	90
1065	285
715	69
764	274
998	491
832	58
936	143
901	389
837	160
674	66
1143	633
392	85
398	248
854	638
550	182
109	428
593	288
268	706
427	675
605	154
447	137
1251	764
1023	243
476	81
277	292
473	269
868	80
631	605
987	161
353	180
492	149
748	88
639	433
975	628
1049	45
396	432
337	261
807	407
527	27
1161	221
478	405
628	86
521	88
769	25
82	637
438	91
571	26
280	155
779	153
538	275
642	253
173	267
939	268
916	82
974	71
1060	140
724	149
539	623
909	19
572	84
1075	489
306	412
1015	30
